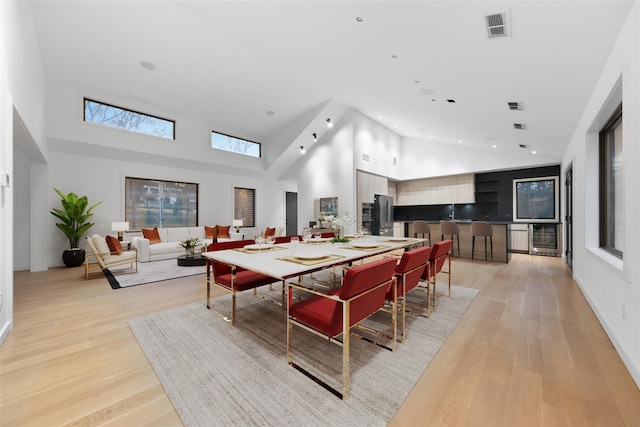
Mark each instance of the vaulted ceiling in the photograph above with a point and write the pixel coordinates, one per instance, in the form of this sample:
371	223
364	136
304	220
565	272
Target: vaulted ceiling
252	69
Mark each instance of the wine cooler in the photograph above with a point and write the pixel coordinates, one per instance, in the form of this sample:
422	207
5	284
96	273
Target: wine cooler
545	239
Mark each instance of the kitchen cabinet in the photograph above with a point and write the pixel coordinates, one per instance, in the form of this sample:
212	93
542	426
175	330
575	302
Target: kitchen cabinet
519	238
437	191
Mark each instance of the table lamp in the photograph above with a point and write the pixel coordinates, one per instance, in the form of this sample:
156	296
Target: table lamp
237	223
120	227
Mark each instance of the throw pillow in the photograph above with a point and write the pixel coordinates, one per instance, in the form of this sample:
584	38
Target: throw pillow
210	232
101	246
152	235
270	232
114	245
223	231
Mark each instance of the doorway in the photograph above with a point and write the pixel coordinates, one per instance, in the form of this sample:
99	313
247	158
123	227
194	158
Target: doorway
568	218
291	213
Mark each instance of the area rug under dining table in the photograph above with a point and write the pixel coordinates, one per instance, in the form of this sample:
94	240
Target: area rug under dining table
216	373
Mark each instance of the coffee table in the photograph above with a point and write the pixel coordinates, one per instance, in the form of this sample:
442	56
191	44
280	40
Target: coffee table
196	260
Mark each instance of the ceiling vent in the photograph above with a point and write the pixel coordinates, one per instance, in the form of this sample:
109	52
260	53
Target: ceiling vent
515	106
520	126
498	24
524	146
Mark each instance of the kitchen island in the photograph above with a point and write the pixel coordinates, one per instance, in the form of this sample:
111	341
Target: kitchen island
500	239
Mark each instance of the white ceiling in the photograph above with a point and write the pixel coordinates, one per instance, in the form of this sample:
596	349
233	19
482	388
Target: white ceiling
228	63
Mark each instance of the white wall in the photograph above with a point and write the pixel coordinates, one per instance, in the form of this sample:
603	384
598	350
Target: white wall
326	170
611	287
375	148
21	223
425	159
21	90
102	180
65	123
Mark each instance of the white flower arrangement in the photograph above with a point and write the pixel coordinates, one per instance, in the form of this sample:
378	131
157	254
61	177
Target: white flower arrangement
341	222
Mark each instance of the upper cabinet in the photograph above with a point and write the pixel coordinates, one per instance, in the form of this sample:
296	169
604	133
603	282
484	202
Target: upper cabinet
437	191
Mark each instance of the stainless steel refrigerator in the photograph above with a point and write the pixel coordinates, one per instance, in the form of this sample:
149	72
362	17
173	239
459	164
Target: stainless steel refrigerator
383	215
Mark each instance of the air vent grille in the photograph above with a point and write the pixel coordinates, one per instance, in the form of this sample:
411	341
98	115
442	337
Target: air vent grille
498	24
523	146
515	106
520	126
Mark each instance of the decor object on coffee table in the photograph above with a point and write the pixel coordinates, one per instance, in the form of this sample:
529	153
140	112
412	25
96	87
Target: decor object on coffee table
75	223
190	246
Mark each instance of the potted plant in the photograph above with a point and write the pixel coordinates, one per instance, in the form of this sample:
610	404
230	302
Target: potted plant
74	217
190	245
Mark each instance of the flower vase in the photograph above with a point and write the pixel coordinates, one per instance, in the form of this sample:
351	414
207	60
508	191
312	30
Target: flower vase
190	252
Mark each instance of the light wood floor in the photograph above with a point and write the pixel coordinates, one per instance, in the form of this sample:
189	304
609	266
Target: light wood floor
529	351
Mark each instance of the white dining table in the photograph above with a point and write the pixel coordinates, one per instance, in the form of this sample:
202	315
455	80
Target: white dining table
286	260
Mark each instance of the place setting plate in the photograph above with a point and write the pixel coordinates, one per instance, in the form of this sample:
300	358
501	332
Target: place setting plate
310	256
364	245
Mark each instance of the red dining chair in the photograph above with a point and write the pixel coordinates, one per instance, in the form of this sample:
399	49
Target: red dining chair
230	277
440	253
286	239
331	315
408	273
328	234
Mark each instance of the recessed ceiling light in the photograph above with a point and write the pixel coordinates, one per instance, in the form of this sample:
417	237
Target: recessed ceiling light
533	152
147	65
426	91
494	146
416	81
459	141
451	101
394	56
359	19
269	113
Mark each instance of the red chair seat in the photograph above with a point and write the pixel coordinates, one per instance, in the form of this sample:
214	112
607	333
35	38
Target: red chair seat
245	279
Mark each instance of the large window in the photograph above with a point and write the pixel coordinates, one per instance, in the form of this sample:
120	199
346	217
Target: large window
153	203
121	118
536	199
244	206
611	199
224	142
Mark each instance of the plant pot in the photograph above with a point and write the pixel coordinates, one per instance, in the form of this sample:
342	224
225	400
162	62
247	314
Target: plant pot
73	257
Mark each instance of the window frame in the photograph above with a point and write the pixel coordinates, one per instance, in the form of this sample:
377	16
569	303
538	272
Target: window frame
259	145
106	104
129	210
606	187
238	211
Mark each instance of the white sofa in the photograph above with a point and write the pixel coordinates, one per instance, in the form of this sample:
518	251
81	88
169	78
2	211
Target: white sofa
170	237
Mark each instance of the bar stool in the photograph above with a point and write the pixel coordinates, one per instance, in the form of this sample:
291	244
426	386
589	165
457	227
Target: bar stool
450	228
421	227
481	229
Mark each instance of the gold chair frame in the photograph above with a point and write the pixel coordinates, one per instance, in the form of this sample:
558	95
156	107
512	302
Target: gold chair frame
346	333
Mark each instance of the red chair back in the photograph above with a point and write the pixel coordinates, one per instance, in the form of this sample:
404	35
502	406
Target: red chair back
286	239
357	281
437	258
220	268
410	269
327	234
